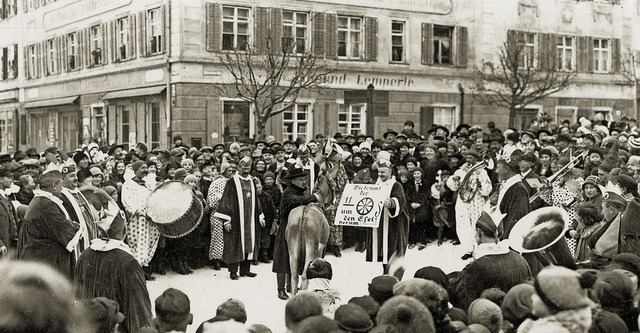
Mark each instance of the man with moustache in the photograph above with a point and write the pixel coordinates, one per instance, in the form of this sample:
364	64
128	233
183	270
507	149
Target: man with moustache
142	235
79	208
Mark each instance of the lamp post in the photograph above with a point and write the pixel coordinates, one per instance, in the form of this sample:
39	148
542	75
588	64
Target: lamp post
370	89
461	90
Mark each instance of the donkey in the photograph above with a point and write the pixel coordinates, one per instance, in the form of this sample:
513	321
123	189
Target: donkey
307	230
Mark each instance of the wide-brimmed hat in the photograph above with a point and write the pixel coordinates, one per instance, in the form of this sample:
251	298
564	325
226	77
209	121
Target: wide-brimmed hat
388	132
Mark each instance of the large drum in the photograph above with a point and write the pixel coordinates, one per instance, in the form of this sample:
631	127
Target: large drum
174	209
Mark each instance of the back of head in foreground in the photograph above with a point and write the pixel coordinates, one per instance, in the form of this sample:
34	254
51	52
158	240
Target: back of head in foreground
34	298
173	311
304	304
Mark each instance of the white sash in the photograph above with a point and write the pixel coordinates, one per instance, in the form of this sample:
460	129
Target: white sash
236	180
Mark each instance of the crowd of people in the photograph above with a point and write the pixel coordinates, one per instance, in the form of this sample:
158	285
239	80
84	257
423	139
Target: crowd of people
86	215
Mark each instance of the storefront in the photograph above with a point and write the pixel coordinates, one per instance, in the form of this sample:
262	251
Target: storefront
54	122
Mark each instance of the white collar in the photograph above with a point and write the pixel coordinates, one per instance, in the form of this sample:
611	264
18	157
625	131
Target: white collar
105	245
485	249
389	181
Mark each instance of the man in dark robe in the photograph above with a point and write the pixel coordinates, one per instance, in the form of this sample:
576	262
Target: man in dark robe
530	179
488	270
294	195
390	238
109	269
78	208
242	217
8	216
47	234
513	198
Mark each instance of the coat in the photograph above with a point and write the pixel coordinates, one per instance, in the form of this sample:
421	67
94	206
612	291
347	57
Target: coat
243	239
292	197
487	272
8	223
516	205
397	229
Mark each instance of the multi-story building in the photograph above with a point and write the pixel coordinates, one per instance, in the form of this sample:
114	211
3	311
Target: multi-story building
127	71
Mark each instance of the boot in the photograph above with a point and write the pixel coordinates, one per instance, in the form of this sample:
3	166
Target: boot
361	247
439	236
282	295
335	250
264	256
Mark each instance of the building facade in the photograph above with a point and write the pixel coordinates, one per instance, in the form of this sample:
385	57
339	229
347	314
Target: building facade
127	71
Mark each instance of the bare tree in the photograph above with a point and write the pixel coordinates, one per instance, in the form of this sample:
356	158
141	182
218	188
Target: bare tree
273	79
518	78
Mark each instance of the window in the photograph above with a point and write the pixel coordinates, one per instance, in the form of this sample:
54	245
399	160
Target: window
155	124
564	53
529	47
95	45
12	62
442	44
605	112
32	57
351	119
52	56
350	37
601	55
11	9
235	28
123	37
125	126
6	131
294	33
73	51
563	113
296	122
445	116
397	41
154	31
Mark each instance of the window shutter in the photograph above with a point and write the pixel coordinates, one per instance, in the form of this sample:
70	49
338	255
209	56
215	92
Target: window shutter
5	62
15	60
318	34
261	29
104	46
543	48
58	54
86	47
214	26
589	55
615	55
132	37
38	60
142	33
2	10
581	57
371	39
27	71
462	46
114	40
552	48
331	32
276	29
427	44
426	117
45	59
64	54
163	29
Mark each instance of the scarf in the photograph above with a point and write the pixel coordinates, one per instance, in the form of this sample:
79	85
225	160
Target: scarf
109	244
50	196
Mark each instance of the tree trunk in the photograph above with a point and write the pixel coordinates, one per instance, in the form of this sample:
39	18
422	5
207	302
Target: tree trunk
512	116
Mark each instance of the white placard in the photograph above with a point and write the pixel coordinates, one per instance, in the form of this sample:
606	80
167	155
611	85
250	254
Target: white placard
361	205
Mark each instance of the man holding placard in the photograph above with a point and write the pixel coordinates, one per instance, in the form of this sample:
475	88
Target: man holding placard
390	238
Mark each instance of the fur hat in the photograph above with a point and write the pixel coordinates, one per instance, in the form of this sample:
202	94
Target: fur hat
368	304
516	305
563	289
483	311
353	318
406	314
429	293
317	324
434	274
381	288
136	165
614	290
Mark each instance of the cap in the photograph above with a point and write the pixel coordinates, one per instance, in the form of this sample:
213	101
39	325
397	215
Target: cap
172	306
95	171
177	152
296	173
52	149
104	311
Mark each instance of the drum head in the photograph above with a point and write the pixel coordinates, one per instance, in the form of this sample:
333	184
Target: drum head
174	209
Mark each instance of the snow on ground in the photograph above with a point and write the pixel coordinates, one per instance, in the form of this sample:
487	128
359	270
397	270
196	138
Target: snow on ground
208	288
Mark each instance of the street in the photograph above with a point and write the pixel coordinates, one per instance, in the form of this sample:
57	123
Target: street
208	288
